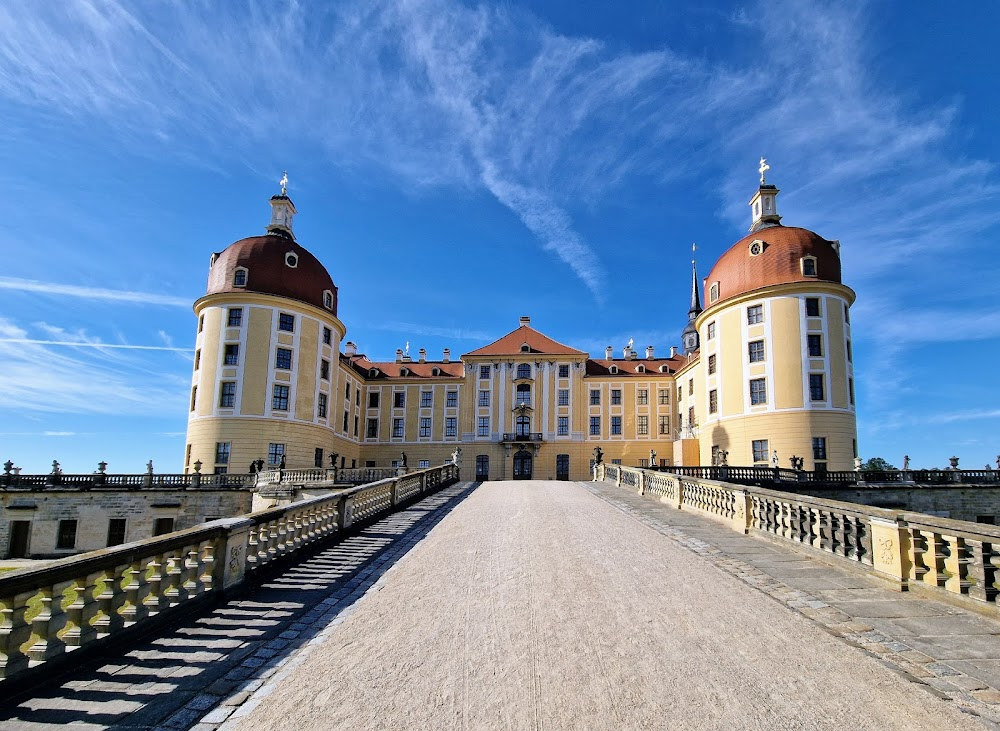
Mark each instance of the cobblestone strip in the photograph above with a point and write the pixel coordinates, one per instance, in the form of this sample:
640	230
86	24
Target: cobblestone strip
968	693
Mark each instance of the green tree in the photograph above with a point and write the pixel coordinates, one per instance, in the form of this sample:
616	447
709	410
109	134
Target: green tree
877	464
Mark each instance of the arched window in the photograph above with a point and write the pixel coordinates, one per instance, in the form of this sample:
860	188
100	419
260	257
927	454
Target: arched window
809	266
522	394
240	277
613	369
523	370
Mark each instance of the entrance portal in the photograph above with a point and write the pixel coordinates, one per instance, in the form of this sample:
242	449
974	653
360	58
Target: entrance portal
20	533
522	465
562	466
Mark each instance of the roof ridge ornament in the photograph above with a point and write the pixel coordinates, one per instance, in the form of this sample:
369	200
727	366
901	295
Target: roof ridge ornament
764	167
284	181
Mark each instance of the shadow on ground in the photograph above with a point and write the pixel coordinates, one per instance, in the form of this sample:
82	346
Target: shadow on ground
203	666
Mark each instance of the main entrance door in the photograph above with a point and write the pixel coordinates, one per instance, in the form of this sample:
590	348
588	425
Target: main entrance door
522	465
562	466
20	532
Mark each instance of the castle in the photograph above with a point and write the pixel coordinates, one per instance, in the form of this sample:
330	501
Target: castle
765	374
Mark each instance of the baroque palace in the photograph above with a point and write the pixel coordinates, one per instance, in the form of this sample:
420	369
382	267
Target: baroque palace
764	376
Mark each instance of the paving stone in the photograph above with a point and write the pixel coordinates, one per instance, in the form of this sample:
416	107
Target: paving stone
220	714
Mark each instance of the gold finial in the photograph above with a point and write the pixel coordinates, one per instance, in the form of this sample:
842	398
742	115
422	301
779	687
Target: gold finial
694	248
764	167
284	181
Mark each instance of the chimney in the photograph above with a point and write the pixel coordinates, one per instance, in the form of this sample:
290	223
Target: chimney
609	353
422	355
399	355
673	351
649	352
447	355
525	320
350	349
628	353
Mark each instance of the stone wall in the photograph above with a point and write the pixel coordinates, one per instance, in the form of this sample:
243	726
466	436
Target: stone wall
959	502
94	509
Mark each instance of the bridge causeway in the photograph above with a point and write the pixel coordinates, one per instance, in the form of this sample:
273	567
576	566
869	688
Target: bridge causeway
555	605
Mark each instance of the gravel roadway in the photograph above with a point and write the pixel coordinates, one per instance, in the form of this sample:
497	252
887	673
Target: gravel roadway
536	605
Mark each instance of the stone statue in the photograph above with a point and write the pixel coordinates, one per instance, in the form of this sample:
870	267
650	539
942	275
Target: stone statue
281	464
774	459
456	456
333	460
284	182
652	458
998	461
857	464
906	462
723	458
253	467
260	465
764	167
631	341
598	455
402	459
149	467
57	470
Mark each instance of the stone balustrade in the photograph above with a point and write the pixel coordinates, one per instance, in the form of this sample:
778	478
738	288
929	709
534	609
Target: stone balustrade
912	550
770	475
48	612
348	475
141	481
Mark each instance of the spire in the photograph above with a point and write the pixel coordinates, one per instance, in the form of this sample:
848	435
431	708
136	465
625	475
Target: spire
689	338
764	203
282	212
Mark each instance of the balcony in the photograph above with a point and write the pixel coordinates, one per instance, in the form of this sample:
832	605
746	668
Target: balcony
525	437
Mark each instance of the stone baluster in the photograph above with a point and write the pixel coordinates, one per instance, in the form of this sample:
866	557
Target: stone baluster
133	609
14	632
157	568
172	578
934	558
956	565
81	611
206	568
109	600
190	571
253	547
47	623
281	529
981	571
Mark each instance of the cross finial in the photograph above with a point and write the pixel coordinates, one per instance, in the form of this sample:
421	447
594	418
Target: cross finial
764	167
694	248
284	181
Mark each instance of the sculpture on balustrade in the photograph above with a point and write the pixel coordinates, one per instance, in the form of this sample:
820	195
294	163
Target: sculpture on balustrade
456	456
402	459
598	455
906	462
333	460
260	465
774	459
857	464
953	463
253	467
652	458
998	461
281	464
56	469
796	462
723	458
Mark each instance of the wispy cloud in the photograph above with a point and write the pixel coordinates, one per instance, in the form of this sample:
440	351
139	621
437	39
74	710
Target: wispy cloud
92	293
100	345
409	329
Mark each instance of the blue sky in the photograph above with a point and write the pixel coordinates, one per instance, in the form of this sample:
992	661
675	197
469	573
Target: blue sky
458	165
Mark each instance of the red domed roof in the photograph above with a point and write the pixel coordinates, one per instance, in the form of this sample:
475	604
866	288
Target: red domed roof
779	262
268	272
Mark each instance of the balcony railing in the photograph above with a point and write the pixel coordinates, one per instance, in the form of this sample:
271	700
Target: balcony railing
526	437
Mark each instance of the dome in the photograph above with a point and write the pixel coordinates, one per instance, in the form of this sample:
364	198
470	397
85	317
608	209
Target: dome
273	264
772	255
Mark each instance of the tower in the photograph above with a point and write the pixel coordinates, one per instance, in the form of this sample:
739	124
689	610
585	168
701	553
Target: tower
689	338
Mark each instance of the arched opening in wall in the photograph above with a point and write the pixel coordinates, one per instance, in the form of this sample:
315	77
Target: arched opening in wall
523	370
522	465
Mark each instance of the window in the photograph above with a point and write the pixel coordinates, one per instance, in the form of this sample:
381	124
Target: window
162	526
522	395
327	336
642	425
484	426
562	428
328	300
816	391
484	398
372	429
426	398
690	387
663	424
755	314
564	371
850	354
275	452
663	396
194	396
344	428
283	358
279	398
482	466
758	391
595	426
713	401
347	390
324	369
232	354
451	399
397	428
755	349
847	314
808	266
711	364
318	457
66	537
616	425
286	322
760	450
425	426
356	425
815	345
373	398
680	393
595	398
235	318
691	421
616	461
812	306
484	371
642	396
522	426
227	395
563	397
713	292
197	359
616	397
222	450
451	426
321	406
398	399
201	323
523	370
850	389
240	278
711	331
423	464
116	531
819	447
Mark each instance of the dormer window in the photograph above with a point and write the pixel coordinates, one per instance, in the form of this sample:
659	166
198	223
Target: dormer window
373	372
291	259
435	371
525	348
328	299
404	371
664	369
640	368
240	277
809	266
613	370
713	292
